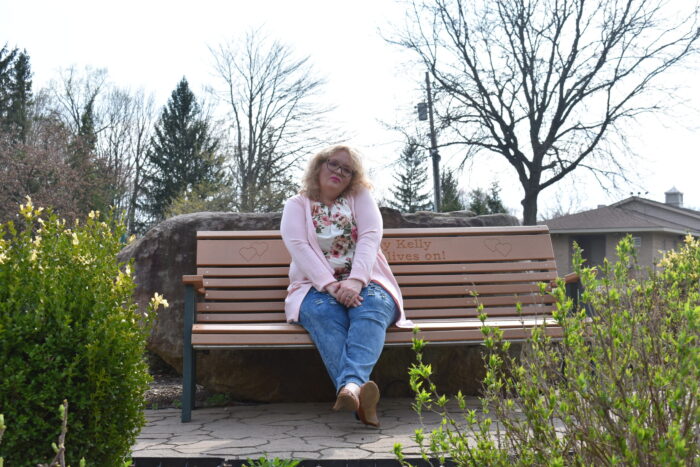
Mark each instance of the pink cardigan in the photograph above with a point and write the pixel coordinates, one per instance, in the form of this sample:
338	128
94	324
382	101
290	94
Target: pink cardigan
309	266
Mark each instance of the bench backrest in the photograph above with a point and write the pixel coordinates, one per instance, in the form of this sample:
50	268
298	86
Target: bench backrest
439	271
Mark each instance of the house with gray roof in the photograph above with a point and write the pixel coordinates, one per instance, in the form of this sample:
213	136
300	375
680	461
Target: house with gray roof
655	228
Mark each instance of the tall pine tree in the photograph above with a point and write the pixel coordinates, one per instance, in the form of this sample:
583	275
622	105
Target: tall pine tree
410	181
182	158
7	58
451	196
20	97
15	93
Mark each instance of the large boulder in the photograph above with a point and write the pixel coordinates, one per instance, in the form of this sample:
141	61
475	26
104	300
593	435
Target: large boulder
167	252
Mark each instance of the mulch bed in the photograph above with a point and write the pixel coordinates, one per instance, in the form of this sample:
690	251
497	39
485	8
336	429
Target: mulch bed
165	391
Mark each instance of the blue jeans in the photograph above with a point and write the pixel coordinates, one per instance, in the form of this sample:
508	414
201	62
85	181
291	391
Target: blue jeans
349	340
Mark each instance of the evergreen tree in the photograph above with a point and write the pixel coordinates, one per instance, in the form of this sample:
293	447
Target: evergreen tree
87	131
7	58
483	202
493	200
20	97
451	196
410	181
15	93
182	158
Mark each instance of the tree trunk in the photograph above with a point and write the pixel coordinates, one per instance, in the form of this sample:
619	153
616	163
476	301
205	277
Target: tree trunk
529	203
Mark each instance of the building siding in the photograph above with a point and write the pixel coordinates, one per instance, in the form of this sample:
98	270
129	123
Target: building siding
561	243
652	248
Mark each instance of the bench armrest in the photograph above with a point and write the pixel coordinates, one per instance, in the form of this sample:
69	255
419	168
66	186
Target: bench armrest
196	281
571	278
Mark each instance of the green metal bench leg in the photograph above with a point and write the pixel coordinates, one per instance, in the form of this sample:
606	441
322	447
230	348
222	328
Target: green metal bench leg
188	357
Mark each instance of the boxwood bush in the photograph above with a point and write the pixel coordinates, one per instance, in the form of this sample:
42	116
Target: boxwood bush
622	387
69	329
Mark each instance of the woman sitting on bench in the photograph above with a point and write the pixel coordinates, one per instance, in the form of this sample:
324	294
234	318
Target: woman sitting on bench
341	288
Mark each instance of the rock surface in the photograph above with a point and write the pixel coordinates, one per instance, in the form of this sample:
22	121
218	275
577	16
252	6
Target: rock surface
167	252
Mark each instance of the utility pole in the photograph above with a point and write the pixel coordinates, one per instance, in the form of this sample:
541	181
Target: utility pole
433	148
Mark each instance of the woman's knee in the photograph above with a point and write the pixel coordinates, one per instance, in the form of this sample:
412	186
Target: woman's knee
374	311
376	301
321	306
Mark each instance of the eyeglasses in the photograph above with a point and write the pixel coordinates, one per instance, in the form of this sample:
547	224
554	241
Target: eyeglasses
342	170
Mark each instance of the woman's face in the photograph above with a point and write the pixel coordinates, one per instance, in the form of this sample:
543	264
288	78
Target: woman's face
335	175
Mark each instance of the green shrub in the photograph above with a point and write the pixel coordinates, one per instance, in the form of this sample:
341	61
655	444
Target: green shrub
69	329
621	388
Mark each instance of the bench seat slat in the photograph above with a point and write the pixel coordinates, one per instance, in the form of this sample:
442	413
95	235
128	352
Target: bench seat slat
392	337
465	336
426	325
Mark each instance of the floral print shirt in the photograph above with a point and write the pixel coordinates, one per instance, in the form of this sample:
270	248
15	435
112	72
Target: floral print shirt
337	234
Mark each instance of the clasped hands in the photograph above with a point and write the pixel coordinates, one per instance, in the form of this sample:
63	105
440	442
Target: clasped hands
346	292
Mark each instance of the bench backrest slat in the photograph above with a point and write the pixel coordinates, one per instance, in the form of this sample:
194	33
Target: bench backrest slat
473	279
468	302
397	250
265	271
479	267
403	232
235	316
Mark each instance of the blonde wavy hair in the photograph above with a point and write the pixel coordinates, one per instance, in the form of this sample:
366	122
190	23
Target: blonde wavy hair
309	184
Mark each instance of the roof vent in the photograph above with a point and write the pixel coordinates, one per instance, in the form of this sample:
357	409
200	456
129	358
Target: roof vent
674	197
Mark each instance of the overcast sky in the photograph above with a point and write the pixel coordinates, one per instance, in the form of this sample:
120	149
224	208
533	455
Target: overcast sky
152	44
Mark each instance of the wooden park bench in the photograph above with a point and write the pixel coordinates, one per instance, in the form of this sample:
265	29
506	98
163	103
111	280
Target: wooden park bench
242	279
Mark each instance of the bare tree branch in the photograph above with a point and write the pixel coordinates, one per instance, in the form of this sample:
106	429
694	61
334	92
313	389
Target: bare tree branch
548	84
273	115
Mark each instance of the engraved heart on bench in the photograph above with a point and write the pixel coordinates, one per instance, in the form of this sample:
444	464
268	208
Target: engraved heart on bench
504	248
255	249
496	245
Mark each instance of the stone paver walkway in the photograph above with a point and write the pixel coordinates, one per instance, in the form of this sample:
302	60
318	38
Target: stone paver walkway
299	431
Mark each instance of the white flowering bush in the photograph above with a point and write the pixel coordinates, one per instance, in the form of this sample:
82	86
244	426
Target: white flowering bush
69	329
